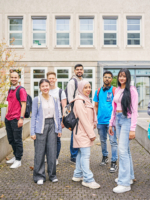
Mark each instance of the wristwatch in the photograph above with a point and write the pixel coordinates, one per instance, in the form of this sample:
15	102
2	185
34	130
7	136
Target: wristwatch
21	117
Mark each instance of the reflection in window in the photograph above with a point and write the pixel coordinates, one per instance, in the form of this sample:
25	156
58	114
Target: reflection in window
39	74
62	31
86	32
110	31
133	31
62	78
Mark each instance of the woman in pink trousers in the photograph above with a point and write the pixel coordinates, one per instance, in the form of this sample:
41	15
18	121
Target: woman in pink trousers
84	110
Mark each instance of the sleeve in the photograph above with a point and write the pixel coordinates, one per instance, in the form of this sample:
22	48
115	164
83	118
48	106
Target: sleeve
71	89
112	120
82	115
58	119
134	103
95	97
23	95
63	95
34	115
148	110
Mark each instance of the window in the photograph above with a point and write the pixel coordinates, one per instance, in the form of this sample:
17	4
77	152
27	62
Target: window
36	75
39	31
63	76
15	31
89	74
63	31
110	31
133	30
86	31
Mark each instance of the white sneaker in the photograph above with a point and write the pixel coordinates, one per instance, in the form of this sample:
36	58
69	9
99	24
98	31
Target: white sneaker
55	180
92	185
57	162
77	179
16	164
131	181
40	182
121	189
11	160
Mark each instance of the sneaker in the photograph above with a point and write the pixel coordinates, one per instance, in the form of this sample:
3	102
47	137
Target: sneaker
16	164
57	162
73	160
55	180
131	181
40	182
92	185
121	189
104	161
113	167
11	160
77	179
45	159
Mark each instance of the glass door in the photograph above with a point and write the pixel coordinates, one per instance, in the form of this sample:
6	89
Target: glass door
143	89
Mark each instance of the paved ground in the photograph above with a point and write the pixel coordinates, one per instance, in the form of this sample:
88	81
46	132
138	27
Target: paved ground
18	183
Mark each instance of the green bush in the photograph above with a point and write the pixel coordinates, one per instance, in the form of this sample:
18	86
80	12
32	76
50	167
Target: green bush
1	106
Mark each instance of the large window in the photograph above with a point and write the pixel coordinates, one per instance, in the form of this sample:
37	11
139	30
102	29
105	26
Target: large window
63	31
36	75
133	30
15	31
39	31
86	31
63	75
110	31
89	74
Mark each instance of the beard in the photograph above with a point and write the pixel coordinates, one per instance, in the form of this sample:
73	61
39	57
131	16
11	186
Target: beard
79	75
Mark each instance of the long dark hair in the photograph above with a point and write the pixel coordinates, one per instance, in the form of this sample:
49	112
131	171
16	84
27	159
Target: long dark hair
126	98
43	80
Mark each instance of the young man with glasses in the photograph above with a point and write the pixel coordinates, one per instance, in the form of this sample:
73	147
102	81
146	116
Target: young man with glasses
103	105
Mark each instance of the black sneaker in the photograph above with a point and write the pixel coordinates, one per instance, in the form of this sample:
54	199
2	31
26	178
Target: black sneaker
104	160
73	160
113	167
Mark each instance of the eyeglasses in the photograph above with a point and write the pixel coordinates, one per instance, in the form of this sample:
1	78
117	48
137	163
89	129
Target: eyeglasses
107	77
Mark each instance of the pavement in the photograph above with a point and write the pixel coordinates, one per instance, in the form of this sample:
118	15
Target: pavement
18	183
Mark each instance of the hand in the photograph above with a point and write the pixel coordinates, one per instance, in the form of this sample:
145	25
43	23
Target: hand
20	123
110	131
62	125
59	134
33	137
131	135
92	139
94	126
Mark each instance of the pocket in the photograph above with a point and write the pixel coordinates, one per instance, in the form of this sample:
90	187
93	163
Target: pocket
123	116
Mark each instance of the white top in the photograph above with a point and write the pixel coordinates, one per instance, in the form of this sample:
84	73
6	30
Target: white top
118	98
48	107
55	94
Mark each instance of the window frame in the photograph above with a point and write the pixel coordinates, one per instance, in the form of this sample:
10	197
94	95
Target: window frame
15	17
56	18
111	32
35	79
88	17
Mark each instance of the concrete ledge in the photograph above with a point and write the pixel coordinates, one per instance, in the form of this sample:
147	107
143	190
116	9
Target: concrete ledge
5	147
141	134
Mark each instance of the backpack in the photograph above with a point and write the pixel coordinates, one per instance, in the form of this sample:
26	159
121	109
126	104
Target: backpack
60	92
28	103
69	119
76	86
98	91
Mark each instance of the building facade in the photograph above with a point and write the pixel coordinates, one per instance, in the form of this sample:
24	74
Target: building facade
101	35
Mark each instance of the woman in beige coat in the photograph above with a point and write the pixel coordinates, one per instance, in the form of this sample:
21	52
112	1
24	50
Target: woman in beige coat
84	110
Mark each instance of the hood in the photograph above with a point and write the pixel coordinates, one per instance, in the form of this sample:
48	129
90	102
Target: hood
74	76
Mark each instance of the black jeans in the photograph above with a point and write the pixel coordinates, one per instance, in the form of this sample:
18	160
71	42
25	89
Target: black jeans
14	135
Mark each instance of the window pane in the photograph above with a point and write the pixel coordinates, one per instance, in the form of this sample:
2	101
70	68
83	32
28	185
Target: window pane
36	93
63	71
39	24
133	24
39	38
15	24
133	38
62	38
60	85
86	38
16	36
39	74
86	24
110	24
62	24
16	42
88	71
62	75
39	42
110	39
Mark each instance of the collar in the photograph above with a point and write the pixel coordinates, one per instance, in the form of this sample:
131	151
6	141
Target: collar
106	88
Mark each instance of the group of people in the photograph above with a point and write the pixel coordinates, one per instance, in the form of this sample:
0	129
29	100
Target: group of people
116	110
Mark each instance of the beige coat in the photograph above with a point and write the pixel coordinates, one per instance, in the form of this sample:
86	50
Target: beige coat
86	117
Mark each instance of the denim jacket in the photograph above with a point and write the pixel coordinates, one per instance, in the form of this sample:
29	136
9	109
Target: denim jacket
37	119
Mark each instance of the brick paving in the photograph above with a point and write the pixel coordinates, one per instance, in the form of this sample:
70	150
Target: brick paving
18	183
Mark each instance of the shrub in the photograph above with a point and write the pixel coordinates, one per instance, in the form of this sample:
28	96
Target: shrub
2	106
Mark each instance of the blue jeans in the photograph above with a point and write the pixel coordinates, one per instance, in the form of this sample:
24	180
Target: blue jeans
58	144
83	165
73	151
126	171
102	131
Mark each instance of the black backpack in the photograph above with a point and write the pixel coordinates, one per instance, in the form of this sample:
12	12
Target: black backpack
69	119
76	86
29	102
